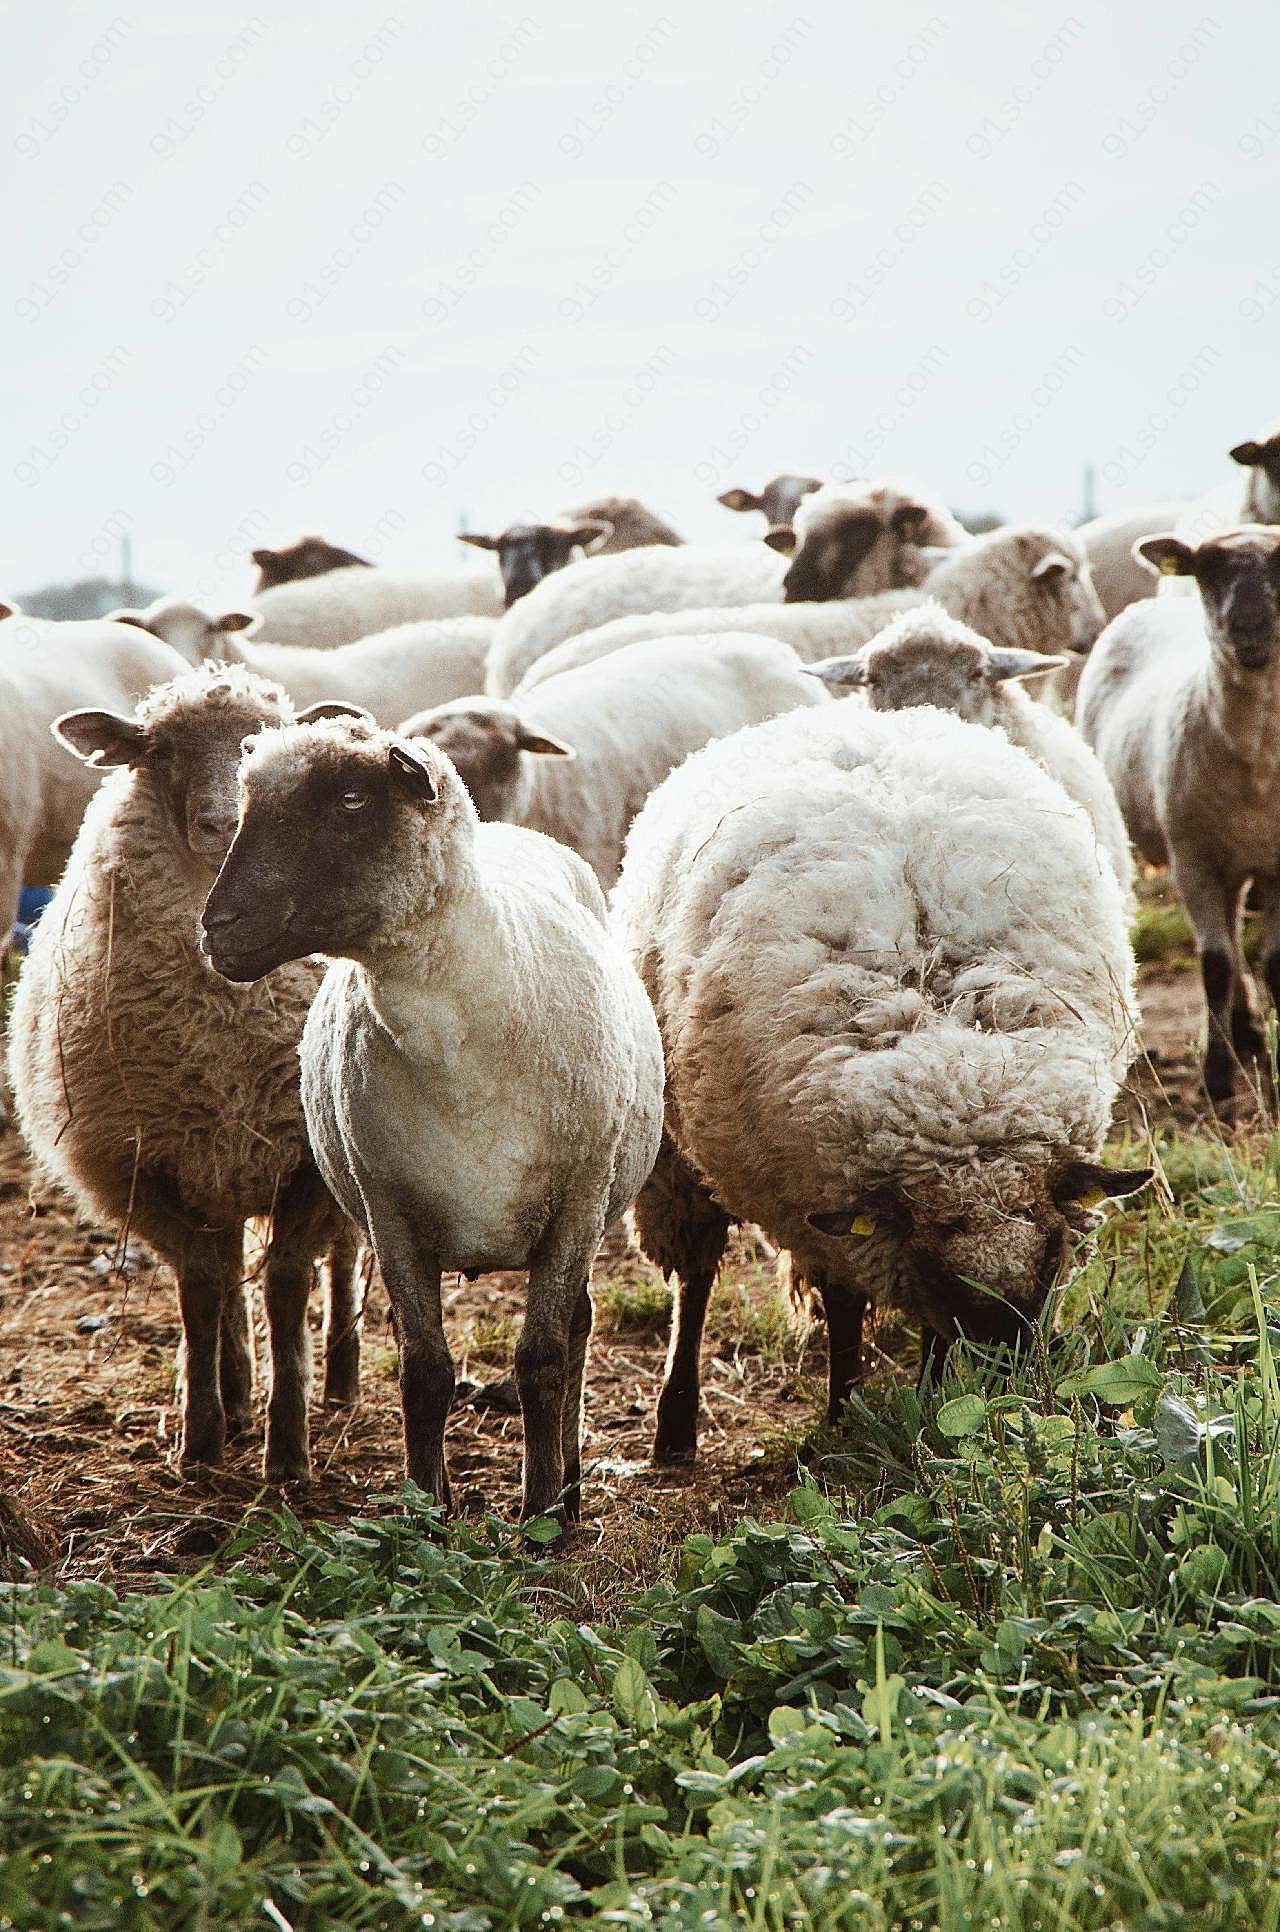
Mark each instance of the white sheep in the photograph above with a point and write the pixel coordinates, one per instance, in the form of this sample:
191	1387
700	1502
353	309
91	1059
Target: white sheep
481	1071
778	501
893	1034
1020	588
927	657
46	668
388	674
165	1101
854	539
1181	702
343	605
1119	577
578	758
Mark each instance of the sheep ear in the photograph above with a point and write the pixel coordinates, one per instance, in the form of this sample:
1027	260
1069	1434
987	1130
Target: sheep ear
261	557
480	541
1054	565
843	1221
1002	664
740	500
780	537
881	1210
591	532
412	774
134	617
1246	453
102	739
908	521
542	743
1167	555
333	708
6	610
1086	1183
237	620
842	673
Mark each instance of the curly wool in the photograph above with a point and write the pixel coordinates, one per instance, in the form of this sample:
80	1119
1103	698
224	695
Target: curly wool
865	972
128	1055
343	605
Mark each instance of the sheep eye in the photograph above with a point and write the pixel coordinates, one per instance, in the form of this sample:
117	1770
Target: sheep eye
354	801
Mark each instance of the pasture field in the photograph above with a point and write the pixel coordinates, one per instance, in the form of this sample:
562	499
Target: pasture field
1003	1655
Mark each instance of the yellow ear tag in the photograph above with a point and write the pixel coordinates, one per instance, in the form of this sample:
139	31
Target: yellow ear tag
862	1224
1094	1198
1168	566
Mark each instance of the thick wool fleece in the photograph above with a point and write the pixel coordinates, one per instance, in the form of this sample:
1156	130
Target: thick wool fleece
342	605
128	1055
881	951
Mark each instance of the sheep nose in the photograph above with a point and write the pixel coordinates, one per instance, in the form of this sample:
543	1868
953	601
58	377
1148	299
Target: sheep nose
215	825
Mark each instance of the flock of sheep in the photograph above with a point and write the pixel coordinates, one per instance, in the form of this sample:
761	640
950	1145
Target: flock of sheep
864	980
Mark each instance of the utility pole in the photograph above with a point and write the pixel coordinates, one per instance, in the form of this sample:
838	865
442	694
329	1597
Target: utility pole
1089	508
126	568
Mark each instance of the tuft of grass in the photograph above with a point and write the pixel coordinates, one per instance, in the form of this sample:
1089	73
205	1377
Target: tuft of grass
641	1307
492	1340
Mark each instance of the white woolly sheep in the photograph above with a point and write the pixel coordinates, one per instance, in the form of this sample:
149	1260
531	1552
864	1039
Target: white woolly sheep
307	557
389	674
343	605
927	657
1181	702
1020	588
778	500
162	1099
602	527
899	1069
854	539
1119	577
578	759
481	1071
46	668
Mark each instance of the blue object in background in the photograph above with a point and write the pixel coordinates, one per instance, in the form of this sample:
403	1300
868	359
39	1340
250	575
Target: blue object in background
32	901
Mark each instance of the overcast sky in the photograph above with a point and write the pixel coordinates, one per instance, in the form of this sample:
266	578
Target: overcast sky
373	272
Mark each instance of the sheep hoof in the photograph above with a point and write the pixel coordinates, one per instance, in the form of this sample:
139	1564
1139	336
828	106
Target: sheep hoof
671	1450
287	1469
239	1423
342	1391
202	1451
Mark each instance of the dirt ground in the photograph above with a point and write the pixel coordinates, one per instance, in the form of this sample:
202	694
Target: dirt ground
88	1418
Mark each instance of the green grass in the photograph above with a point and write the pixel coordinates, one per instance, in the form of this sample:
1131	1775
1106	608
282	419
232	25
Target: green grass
1009	1656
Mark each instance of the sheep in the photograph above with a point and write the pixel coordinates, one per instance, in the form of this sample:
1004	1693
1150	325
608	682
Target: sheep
1119	577
1261	457
877	529
884	1018
308	557
389	674
161	1099
926	657
343	605
1181	703
481	1070
46	667
854	539
578	760
779	499
528	552
1020	588
1230	506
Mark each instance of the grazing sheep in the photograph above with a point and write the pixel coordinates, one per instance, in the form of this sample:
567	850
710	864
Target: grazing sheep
356	601
481	1071
1119	577
927	657
163	1100
46	668
854	539
655	578
893	1033
578	759
1181	703
779	499
1020	588
389	674
308	557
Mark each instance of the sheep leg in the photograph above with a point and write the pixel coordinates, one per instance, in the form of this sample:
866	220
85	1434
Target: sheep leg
683	1232
412	1274
571	1429
1214	917
554	1335
844	1310
344	1307
303	1218
209	1264
235	1361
